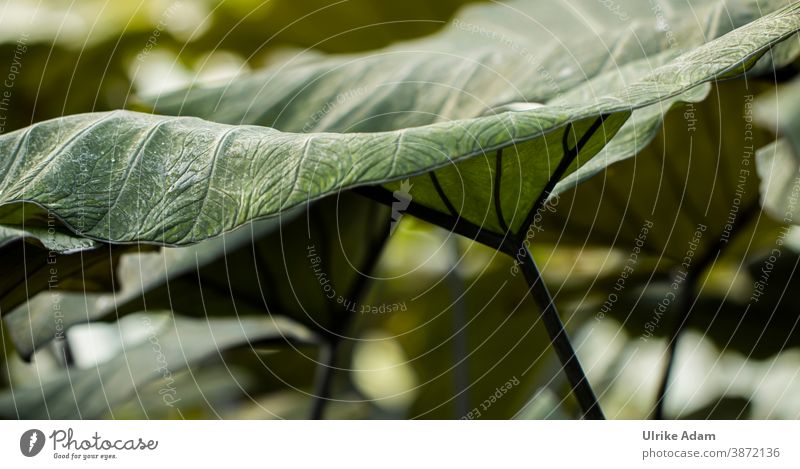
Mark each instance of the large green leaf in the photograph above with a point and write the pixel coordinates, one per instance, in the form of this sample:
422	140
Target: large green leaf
242	33
51	313
125	177
169	346
779	110
311	268
263	268
488	61
40	259
489	58
699	170
779	169
779	163
687	204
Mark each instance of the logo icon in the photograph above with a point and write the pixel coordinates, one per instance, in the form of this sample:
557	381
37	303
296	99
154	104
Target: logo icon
402	199
31	442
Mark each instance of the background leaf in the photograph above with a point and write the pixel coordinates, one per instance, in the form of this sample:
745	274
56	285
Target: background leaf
160	353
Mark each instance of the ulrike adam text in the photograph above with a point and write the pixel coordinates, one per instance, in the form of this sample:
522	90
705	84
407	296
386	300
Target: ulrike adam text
686	435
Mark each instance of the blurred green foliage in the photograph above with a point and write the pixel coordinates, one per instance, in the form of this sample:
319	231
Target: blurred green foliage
83	56
463	344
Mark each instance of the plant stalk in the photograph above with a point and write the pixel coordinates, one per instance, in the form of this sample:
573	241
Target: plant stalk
510	244
324	379
343	318
460	340
579	384
685	301
687	298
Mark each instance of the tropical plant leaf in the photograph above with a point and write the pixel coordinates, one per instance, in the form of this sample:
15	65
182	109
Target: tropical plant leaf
489	58
311	268
464	61
48	315
124	32
207	390
47	259
55	240
778	111
267	267
755	320
136	177
779	169
306	268
169	347
688	203
779	163
128	177
655	203
178	181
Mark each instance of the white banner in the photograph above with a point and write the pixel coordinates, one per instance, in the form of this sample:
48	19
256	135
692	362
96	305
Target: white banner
400	444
